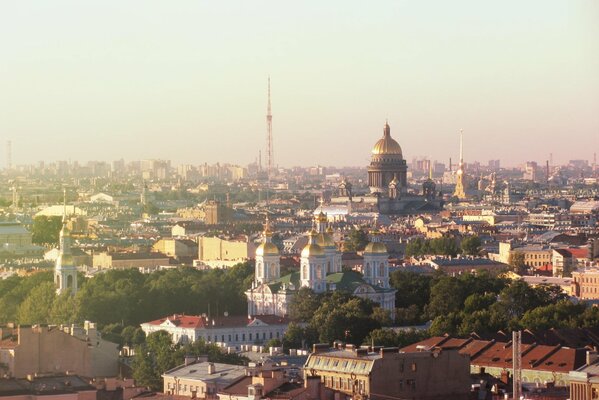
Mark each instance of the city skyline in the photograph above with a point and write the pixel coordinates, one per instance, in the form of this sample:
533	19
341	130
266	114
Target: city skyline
176	83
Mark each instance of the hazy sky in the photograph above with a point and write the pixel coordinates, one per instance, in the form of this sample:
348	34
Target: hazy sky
186	80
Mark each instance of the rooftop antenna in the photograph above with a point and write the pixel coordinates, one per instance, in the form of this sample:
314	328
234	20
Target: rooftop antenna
8	154
269	150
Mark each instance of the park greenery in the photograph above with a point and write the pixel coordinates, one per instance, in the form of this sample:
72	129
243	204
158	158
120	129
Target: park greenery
46	230
119	300
125	297
446	246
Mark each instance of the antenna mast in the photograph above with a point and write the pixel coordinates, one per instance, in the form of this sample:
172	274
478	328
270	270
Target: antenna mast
269	150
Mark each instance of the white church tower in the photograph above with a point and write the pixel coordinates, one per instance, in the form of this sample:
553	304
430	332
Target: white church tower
324	239
65	271
312	266
376	262
268	267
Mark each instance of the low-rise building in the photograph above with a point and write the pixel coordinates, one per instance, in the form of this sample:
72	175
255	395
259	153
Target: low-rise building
460	265
202	380
586	284
220	252
54	387
229	331
384	373
121	260
541	363
54	349
180	249
584	382
16	240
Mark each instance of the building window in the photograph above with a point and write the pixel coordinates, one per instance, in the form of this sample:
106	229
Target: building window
413	367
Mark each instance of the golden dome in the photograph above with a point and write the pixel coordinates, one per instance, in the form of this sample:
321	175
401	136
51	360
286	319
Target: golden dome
376	248
387	145
267	249
321	217
325	240
312	250
330	230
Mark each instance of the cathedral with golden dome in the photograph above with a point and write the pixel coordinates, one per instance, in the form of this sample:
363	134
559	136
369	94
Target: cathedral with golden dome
320	270
388	181
387	164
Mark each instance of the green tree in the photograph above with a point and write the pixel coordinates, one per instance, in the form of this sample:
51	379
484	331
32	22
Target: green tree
390	338
37	306
356	240
516	262
343	317
46	230
156	356
412	288
304	305
471	245
64	309
446	324
381	316
447	295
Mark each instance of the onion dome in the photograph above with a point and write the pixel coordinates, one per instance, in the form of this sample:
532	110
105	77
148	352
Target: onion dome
267	249
325	240
312	249
375	248
387	145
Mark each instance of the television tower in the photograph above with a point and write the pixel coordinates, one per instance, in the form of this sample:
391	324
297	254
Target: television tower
269	151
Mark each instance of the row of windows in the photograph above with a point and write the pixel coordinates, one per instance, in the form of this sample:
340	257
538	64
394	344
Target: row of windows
210	338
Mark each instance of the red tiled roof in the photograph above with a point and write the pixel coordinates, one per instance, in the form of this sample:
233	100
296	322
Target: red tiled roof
197	321
579	253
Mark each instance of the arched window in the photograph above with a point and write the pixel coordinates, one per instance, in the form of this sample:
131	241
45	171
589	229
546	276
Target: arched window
70	281
381	269
329	267
273	270
305	271
319	271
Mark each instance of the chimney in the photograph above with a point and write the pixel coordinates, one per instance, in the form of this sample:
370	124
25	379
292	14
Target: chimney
211	368
189	359
591	357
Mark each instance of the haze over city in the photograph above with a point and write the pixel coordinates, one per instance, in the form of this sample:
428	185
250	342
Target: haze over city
187	81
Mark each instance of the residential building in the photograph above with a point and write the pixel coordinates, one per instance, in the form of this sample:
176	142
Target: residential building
180	249
121	260
52	349
54	387
383	373
541	363
230	331
15	239
202	380
586	284
219	252
584	382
